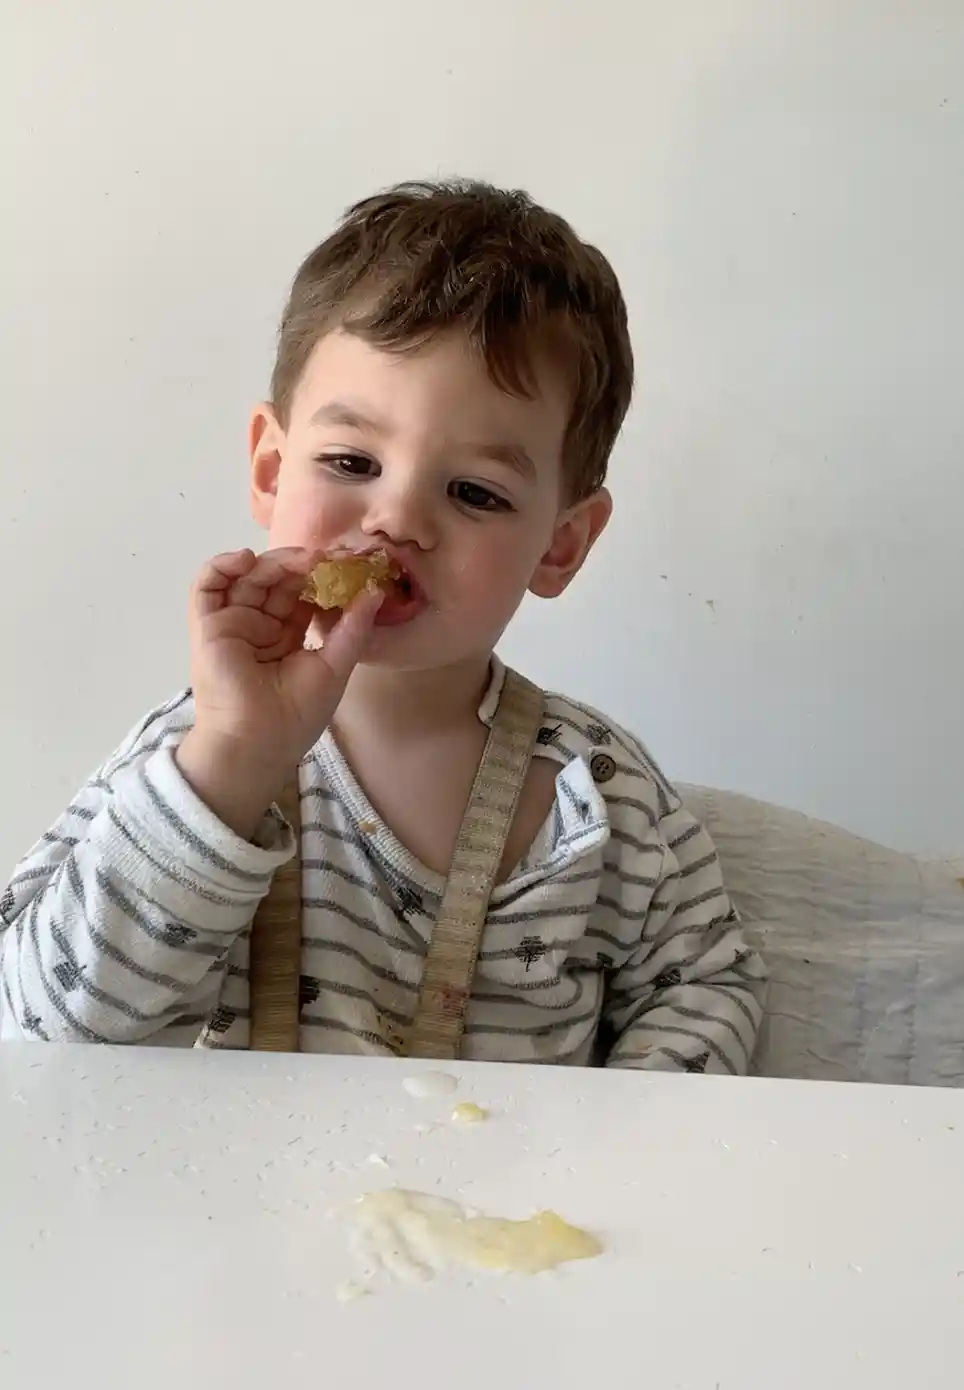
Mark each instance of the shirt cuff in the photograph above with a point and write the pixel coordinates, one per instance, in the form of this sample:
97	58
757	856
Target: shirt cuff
165	809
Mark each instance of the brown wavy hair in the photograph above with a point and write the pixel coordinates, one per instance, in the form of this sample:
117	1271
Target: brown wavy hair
423	258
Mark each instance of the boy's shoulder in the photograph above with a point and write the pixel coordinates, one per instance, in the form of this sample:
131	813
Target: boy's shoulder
646	813
622	767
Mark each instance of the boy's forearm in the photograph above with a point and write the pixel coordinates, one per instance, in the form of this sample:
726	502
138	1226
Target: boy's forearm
130	931
690	998
707	1026
235	783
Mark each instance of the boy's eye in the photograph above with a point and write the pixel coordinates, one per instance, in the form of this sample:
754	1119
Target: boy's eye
349	465
479	498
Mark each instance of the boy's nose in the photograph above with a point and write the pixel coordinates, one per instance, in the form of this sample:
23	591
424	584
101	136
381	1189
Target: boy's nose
402	515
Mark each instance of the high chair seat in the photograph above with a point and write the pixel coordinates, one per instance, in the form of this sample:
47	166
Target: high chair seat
864	945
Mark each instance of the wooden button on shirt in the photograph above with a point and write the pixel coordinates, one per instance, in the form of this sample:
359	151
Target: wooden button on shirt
603	768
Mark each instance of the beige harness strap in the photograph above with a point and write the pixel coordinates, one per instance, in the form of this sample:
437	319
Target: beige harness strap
453	950
275	961
454	946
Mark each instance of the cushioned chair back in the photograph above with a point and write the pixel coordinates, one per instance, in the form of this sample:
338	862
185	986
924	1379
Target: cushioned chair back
865	946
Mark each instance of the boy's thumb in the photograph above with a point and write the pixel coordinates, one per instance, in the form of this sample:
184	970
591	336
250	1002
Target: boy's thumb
346	644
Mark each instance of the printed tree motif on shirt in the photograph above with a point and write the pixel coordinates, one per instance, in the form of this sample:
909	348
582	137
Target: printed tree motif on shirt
697	1065
33	1023
68	974
8	905
408	901
530	949
176	934
308	990
669	979
549	735
599	735
222	1019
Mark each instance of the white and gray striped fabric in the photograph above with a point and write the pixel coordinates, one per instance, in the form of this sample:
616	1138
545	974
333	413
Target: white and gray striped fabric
613	940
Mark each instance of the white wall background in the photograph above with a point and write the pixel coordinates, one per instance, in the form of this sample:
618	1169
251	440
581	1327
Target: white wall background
780	185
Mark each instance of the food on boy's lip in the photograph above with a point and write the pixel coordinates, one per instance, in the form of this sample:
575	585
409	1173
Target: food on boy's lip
336	581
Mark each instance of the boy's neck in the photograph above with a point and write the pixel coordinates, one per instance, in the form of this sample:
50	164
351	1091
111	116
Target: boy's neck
410	704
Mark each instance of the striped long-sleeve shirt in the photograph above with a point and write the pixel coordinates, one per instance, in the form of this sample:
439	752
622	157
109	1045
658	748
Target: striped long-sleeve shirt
613	940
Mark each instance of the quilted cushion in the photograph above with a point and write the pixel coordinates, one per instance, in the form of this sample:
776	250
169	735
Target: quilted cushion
865	946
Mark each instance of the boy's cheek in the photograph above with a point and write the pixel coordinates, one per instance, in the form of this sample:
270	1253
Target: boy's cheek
498	588
305	517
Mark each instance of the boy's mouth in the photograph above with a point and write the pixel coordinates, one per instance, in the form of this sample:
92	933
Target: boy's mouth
404	600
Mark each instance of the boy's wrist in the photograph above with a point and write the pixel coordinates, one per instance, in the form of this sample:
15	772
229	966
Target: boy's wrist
236	784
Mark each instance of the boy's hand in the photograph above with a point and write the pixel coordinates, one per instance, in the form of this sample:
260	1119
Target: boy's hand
261	700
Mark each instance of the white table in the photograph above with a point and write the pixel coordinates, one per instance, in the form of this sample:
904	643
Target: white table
164	1223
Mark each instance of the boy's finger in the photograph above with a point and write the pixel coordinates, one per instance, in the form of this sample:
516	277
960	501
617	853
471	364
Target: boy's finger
284	598
217	577
266	591
258	630
274	583
292	629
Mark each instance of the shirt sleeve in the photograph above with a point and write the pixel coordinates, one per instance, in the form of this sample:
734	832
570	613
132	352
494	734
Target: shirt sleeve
116	927
690	996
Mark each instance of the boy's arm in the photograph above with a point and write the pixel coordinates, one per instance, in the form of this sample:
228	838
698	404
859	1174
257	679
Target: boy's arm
690	996
119	921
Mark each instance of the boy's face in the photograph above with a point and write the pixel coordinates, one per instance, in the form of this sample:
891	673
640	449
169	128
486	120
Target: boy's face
419	453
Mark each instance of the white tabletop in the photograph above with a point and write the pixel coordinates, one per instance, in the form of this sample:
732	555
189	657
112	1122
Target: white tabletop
164	1221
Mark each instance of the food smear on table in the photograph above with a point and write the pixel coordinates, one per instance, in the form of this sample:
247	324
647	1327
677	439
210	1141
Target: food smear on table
430	1085
412	1236
468	1113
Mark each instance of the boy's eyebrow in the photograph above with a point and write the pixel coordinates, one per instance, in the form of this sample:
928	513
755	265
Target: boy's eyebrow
345	413
514	455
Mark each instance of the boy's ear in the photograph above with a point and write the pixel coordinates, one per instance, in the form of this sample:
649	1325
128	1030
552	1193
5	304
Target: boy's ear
577	530
265	445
